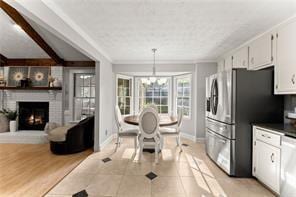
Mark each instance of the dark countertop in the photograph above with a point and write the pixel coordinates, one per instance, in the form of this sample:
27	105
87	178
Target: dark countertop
286	129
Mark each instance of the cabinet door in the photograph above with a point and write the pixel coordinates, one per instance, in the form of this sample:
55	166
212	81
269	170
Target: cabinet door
228	63
286	59
260	52
240	58
268	165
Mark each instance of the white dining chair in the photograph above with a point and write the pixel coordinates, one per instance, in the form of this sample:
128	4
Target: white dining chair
149	130
173	131
123	132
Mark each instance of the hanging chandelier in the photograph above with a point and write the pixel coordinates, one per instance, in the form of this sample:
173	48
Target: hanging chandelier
153	78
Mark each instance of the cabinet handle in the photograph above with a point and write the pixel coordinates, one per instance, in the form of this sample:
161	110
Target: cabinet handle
293	79
266	136
252	60
272	157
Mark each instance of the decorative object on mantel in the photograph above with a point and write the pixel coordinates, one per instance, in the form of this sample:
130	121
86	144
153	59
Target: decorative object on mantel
11	115
25	83
2	81
16	74
3	123
50	80
57	83
39	76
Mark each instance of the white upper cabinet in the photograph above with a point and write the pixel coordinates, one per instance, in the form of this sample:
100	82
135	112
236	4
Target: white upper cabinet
228	63
260	52
285	67
240	58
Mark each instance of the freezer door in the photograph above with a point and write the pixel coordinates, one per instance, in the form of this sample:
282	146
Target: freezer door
221	102
219	150
226	130
288	167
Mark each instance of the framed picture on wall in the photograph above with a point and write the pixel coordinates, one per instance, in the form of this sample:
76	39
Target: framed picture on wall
39	76
15	74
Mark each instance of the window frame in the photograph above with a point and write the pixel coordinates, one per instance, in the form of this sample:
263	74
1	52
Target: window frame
121	76
137	91
82	98
176	78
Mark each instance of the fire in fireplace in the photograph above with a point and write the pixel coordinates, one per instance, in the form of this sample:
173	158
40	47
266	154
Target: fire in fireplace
33	115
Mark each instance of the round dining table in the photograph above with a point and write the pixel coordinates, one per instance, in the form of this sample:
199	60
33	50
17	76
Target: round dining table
164	120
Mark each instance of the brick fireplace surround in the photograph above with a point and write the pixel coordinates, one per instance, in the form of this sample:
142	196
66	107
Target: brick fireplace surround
11	98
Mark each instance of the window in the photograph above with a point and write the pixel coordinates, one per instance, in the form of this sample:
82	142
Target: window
156	93
124	94
183	94
84	95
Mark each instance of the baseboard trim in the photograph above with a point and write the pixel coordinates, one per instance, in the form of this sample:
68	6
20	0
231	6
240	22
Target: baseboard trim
200	140
107	141
189	137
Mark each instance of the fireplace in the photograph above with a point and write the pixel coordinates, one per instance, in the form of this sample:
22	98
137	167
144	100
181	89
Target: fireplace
33	115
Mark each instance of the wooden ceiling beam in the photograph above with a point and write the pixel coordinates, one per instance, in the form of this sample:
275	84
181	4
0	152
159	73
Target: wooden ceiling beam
21	21
30	62
79	64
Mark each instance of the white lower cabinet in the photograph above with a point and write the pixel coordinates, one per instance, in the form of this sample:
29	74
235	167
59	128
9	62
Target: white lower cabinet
267	158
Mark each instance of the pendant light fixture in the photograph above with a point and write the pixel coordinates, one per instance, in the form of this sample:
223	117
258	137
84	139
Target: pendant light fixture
153	78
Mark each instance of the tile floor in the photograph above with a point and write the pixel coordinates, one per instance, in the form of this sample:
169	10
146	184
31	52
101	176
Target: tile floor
179	174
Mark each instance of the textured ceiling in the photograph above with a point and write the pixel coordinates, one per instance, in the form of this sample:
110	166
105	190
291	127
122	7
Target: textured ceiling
15	43
127	30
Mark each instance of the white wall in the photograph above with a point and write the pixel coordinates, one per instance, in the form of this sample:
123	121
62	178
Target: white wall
203	70
104	103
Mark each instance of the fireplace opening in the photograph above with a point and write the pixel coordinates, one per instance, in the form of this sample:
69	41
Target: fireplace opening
33	115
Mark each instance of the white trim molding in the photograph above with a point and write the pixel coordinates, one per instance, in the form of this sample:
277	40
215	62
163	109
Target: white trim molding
107	141
188	136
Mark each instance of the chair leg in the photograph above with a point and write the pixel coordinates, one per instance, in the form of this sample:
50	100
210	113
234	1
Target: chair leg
179	142
161	142
156	152
141	149
135	144
117	143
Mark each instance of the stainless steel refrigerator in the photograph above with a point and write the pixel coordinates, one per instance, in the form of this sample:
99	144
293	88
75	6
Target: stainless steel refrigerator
234	100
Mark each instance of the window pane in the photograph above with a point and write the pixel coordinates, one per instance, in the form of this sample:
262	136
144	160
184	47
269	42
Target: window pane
186	102
180	91
179	84
186	91
127	110
164	101
186	83
149	92
156	100
87	80
127	100
93	92
179	101
86	91
156	92
121	102
186	111
164	109
164	92
148	100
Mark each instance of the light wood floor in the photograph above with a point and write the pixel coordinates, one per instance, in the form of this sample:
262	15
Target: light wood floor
32	170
